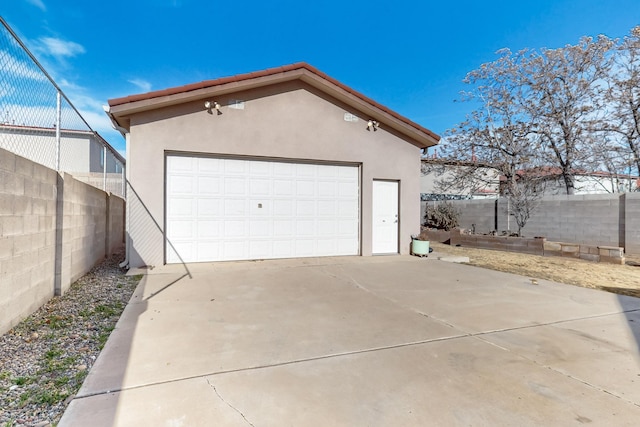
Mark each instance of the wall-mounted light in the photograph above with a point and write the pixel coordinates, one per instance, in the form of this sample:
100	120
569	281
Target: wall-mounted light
372	125
212	105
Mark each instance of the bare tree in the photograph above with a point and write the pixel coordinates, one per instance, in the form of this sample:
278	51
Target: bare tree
565	102
524	197
623	97
497	135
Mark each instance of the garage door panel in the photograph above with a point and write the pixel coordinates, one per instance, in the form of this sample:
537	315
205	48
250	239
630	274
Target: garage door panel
182	184
260	208
209	229
209	185
260	249
259	228
327	189
282	248
346	247
305	188
234	229
235	167
327	227
260	187
185	249
284	170
209	208
183	208
328	171
208	249
304	247
326	247
283	208
182	229
305	227
234	250
209	166
283	228
348	172
178	163
234	186
235	207
231	209
326	208
260	168
305	170
347	189
305	208
283	188
347	227
346	208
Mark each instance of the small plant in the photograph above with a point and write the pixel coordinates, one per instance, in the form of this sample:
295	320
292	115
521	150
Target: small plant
109	310
442	216
22	380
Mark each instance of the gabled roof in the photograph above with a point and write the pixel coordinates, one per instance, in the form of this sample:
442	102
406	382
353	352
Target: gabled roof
120	109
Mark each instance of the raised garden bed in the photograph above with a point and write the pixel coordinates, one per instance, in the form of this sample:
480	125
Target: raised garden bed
529	245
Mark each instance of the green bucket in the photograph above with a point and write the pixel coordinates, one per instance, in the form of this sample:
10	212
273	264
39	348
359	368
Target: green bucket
420	247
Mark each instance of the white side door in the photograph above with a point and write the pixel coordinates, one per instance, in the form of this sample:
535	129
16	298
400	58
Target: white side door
385	217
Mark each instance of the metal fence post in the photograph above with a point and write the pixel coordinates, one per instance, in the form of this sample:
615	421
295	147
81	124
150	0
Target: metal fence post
104	168
58	120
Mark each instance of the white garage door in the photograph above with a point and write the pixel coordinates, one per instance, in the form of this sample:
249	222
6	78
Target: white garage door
231	209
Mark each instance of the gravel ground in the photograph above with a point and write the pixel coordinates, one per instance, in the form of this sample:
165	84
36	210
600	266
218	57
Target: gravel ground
45	359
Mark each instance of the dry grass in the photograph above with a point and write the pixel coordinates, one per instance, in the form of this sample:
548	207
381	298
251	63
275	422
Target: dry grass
620	279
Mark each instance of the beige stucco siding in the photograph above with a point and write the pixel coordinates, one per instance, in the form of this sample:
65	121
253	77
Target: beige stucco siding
285	121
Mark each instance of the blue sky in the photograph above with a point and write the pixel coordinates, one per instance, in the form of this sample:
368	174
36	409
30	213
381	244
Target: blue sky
408	55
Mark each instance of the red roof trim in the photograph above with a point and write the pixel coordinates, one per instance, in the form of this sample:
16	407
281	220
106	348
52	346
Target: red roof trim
264	73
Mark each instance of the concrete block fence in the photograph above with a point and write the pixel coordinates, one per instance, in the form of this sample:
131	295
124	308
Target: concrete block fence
53	230
595	220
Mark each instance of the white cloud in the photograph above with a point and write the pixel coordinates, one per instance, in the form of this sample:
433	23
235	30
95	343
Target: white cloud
144	85
39	4
59	48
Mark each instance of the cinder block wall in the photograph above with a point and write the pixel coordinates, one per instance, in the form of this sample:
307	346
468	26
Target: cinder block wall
27	237
53	230
598	219
587	219
82	215
632	223
478	212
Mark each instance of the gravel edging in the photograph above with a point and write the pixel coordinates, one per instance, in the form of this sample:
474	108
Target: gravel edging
45	358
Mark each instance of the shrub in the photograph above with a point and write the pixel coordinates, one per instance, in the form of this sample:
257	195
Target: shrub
442	216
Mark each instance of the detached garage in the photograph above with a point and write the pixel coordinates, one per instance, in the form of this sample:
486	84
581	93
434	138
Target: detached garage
281	163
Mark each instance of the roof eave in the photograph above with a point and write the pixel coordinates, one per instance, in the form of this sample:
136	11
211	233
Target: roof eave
122	108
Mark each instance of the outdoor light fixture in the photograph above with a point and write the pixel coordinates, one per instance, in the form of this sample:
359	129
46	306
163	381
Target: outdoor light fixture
372	125
212	105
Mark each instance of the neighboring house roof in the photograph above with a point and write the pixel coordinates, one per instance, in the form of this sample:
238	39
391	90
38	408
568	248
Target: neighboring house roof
24	129
552	172
121	108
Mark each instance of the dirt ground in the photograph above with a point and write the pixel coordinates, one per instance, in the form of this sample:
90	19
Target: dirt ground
621	279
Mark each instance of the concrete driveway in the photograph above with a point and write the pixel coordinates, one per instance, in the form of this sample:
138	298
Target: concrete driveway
374	341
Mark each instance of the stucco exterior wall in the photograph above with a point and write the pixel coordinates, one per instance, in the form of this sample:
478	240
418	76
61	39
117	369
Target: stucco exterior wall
286	121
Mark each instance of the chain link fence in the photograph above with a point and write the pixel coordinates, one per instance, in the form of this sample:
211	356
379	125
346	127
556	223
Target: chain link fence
38	122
